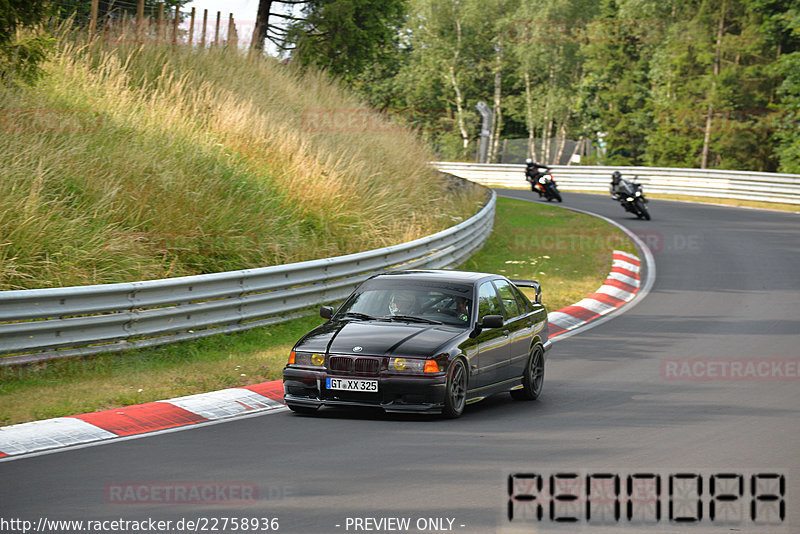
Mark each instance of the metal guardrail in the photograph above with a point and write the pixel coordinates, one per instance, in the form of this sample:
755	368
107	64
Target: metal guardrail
44	324
743	185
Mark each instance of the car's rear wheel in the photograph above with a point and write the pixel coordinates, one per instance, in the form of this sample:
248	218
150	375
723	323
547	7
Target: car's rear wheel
533	380
456	394
305	410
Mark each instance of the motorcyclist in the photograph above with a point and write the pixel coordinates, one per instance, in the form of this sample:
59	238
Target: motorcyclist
533	173
621	188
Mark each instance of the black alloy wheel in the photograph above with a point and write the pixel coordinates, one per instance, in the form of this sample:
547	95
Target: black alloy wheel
533	380
456	393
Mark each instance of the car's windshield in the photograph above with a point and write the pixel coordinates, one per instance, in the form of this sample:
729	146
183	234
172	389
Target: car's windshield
406	300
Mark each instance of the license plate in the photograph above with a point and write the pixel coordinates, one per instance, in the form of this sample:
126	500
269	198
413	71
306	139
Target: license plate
352	384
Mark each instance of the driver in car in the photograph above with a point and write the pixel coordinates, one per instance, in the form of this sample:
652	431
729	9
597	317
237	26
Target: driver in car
462	308
401	304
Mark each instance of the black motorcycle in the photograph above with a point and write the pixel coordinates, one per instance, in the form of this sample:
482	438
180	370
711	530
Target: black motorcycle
546	186
633	200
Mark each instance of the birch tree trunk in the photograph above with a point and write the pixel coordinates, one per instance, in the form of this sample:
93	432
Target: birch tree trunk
562	141
529	117
459	112
494	140
710	110
462	128
546	138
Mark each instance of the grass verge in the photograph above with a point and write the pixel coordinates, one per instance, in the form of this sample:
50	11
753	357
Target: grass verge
568	252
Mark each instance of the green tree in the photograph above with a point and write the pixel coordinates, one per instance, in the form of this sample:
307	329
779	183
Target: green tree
781	27
546	37
343	36
712	90
20	56
616	97
448	72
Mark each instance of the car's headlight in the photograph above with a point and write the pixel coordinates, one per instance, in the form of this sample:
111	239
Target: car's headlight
306	358
404	365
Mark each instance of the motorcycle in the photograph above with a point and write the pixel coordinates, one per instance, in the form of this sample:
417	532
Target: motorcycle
546	186
633	200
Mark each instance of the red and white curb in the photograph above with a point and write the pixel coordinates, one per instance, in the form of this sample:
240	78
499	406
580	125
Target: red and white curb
61	432
620	287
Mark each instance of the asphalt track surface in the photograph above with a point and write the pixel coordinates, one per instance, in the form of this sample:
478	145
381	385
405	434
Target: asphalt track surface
727	288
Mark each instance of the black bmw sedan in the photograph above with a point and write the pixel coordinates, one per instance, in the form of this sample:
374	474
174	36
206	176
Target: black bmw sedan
423	342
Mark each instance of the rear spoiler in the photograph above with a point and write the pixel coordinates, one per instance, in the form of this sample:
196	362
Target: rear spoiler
532	284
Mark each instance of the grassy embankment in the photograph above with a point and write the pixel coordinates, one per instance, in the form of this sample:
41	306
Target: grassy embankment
569	253
133	163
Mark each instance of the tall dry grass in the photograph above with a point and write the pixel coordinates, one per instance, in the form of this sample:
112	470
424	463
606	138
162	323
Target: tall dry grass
137	162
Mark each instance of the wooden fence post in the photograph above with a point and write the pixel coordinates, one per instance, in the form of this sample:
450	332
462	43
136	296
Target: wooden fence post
203	35
216	31
160	26
191	29
175	25
139	21
92	18
123	32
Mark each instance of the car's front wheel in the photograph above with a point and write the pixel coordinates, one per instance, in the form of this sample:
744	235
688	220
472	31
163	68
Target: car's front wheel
456	393
533	380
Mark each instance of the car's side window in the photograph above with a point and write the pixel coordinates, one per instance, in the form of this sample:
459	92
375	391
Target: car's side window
488	303
524	303
509	299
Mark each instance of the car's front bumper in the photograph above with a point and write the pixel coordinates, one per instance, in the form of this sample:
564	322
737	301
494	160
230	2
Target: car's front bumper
415	394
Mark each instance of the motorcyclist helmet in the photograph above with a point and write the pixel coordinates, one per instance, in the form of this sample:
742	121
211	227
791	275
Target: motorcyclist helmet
529	161
616	176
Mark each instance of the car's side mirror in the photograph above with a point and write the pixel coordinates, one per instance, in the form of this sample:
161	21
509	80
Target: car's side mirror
326	312
492	321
